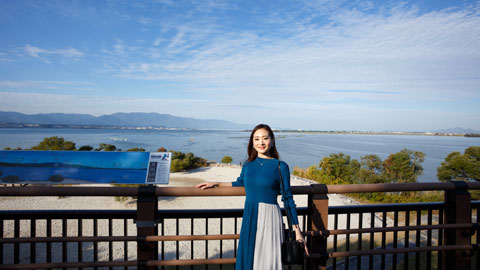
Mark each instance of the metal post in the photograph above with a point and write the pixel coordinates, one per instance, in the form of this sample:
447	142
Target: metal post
458	211
318	205
147	206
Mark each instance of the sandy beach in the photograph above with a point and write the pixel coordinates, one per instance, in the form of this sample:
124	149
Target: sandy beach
190	178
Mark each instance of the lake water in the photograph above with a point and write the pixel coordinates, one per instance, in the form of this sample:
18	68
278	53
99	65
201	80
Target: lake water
295	148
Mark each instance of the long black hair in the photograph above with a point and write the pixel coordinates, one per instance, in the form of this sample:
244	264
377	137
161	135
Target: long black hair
252	153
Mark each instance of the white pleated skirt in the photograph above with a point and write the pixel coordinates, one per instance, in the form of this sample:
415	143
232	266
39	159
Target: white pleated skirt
269	238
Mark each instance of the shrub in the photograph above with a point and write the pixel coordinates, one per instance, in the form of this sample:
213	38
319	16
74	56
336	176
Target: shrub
227	159
188	161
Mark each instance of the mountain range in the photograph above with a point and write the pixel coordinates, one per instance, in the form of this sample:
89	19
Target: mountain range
134	119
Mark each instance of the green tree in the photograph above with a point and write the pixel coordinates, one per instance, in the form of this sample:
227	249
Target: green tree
227	159
85	148
182	161
463	167
136	149
403	167
337	169
55	143
371	170
106	147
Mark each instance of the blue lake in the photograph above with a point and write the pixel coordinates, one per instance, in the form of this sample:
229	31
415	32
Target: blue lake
296	149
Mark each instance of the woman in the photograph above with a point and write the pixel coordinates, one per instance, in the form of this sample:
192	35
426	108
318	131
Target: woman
261	234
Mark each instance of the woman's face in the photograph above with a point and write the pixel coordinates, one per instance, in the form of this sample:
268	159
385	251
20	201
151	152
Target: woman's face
262	142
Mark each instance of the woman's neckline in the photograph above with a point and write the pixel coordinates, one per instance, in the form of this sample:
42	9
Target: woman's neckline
264	158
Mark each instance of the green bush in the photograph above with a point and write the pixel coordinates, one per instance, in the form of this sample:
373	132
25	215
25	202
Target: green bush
55	143
136	149
188	161
85	148
227	159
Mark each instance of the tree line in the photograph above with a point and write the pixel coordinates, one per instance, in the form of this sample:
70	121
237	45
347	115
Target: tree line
401	167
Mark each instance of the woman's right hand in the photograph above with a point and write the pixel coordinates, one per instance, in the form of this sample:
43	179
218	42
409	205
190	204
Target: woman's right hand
207	185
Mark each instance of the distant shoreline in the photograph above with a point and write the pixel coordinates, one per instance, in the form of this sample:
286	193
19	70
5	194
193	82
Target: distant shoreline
377	133
408	133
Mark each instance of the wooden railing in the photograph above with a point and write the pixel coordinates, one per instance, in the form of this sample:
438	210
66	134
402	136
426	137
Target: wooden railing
398	236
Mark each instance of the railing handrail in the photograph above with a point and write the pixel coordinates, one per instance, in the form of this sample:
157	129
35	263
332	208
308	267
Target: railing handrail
230	191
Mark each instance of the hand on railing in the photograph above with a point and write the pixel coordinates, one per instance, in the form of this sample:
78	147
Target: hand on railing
206	185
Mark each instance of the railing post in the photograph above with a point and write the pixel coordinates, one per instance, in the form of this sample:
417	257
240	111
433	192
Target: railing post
147	206
318	208
457	211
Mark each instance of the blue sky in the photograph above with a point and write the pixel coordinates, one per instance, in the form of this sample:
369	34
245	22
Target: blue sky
328	65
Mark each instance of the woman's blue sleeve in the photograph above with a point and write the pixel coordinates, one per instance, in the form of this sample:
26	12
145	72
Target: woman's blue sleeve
239	182
288	200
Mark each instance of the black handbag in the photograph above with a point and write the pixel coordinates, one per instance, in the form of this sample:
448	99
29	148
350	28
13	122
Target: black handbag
292	251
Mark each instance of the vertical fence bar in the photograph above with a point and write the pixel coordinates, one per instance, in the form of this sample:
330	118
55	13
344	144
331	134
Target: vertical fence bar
372	239
49	244
360	238
318	204
417	240
458	211
335	237
95	243
1	245
64	245
163	242
125	243
395	240
347	241
206	242
384	240
440	240
407	240
110	243
429	241
177	243
80	244
221	242
33	246
235	241
16	246
191	241
147	206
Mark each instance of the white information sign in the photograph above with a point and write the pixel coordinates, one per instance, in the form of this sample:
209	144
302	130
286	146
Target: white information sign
159	168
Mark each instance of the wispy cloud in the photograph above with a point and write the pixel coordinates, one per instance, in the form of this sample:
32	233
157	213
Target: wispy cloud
51	85
44	54
396	50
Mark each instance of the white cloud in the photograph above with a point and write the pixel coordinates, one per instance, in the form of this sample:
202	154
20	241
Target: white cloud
42	54
51	85
399	50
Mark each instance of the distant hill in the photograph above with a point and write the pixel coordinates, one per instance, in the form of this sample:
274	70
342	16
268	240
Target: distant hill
118	120
457	130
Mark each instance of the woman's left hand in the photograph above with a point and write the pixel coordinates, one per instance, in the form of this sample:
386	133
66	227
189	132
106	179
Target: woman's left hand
299	237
